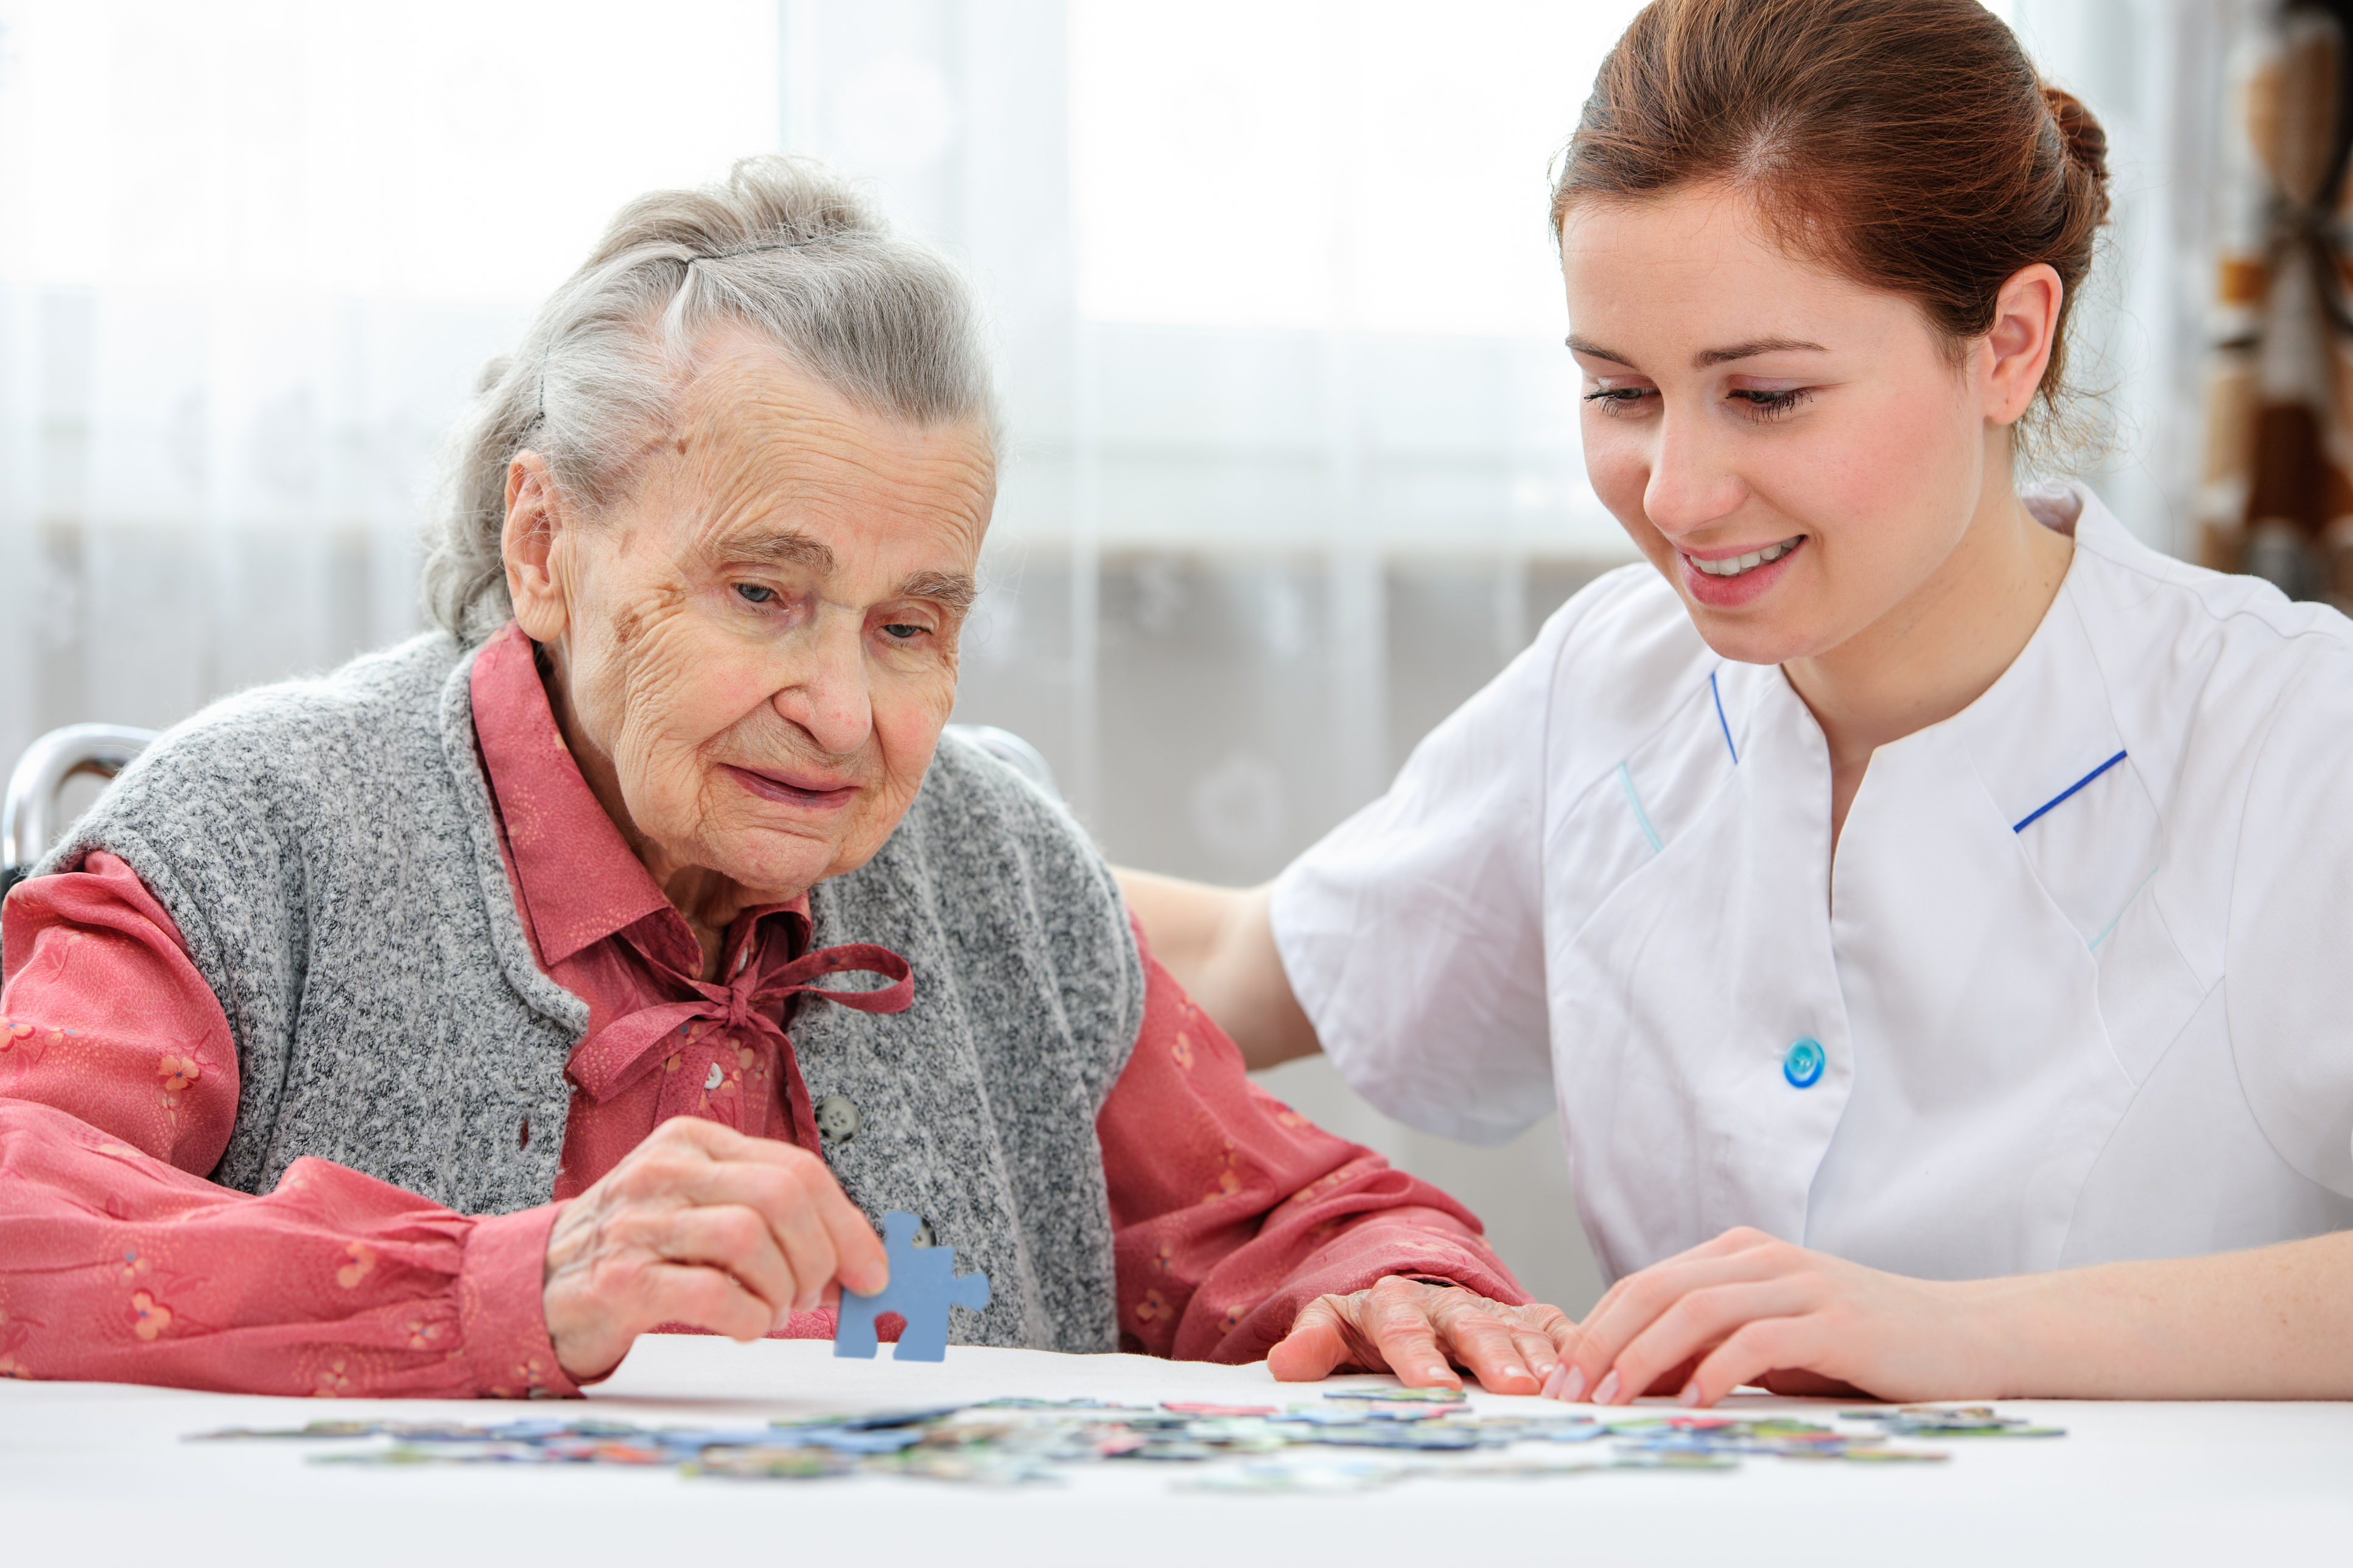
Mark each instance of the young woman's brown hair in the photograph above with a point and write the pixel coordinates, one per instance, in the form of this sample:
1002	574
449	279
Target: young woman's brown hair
1909	144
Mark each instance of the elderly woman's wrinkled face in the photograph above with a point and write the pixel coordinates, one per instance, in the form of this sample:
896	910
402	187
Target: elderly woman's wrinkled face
757	648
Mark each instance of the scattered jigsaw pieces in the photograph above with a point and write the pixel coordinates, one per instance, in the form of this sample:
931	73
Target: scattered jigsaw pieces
924	1285
1951	1421
1344	1442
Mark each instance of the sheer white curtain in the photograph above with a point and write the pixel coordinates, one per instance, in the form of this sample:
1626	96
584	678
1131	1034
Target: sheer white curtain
1291	465
2155	73
251	257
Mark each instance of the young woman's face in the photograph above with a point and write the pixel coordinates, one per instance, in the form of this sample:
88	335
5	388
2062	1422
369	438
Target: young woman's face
1797	454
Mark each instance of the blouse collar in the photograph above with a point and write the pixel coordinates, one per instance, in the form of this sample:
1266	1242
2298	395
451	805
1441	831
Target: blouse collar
575	878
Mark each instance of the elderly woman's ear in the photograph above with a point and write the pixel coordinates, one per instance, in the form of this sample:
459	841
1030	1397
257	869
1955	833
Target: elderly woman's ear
532	543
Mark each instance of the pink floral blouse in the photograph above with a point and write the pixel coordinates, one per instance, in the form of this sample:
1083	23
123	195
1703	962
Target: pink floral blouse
119	1088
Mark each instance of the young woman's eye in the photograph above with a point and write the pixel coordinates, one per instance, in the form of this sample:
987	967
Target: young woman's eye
753	593
1620	399
1772	404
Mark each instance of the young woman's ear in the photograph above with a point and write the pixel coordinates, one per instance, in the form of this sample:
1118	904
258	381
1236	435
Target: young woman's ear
2025	330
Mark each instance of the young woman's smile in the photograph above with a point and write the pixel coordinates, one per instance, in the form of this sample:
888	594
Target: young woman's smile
1730	577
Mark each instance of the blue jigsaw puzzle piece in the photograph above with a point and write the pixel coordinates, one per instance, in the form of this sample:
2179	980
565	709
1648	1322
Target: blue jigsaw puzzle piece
924	1285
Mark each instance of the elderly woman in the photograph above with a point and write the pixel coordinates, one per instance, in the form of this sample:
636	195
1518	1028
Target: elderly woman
438	1026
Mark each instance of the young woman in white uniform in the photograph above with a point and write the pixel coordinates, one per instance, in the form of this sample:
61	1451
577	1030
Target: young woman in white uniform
1925	903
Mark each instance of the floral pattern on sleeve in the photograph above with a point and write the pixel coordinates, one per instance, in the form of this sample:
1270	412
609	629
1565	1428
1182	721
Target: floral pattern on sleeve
119	1262
1230	1211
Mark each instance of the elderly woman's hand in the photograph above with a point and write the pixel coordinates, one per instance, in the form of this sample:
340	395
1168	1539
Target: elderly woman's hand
701	1225
1420	1332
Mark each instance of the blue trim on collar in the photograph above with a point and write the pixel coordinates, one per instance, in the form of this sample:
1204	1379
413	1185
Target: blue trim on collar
2029	818
1641	818
1719	718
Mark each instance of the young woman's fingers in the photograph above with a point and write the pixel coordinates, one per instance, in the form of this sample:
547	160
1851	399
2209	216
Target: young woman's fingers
1723	1243
1799	1383
1640	1300
1670	1383
1749	1352
1698	1321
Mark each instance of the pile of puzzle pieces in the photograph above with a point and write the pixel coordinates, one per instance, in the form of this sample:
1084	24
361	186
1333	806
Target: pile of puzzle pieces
1350	1439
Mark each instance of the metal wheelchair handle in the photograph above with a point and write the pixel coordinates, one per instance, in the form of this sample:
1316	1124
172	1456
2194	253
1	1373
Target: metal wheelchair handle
28	813
1013	750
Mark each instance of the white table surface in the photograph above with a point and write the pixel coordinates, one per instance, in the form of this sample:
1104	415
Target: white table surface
100	1474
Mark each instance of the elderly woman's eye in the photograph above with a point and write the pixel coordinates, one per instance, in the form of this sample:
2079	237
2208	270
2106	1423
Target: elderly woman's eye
754	593
902	630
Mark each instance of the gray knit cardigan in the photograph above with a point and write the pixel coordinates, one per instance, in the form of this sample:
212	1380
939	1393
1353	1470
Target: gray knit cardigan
328	850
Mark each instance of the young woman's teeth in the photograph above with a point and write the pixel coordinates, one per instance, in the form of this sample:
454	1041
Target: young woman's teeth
1734	565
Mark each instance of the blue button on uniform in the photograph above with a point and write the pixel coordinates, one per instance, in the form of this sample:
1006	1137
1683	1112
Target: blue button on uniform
1802	1066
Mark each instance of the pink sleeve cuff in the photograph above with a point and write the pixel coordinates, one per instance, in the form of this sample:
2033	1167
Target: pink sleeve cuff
499	1287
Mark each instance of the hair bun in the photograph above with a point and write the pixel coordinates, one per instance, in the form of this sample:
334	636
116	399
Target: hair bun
2086	143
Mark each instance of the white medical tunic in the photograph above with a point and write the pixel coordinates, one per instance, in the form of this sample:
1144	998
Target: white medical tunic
2071	989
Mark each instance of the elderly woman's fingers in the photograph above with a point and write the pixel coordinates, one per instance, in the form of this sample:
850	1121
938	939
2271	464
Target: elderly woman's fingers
859	1260
734	1241
1556	1329
613	1275
1320	1343
707	1297
1420	1332
822	1233
1486	1337
1386	1326
729	1233
1397	1320
789	1207
1539	1352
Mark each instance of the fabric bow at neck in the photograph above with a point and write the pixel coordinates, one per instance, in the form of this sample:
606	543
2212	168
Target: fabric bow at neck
627	1048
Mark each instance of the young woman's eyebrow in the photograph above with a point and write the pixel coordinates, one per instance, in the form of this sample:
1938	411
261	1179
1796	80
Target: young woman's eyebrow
1577	345
1707	357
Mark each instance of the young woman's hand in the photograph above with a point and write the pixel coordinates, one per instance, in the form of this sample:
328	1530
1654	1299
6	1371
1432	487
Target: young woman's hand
701	1225
1421	1332
1748	1307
